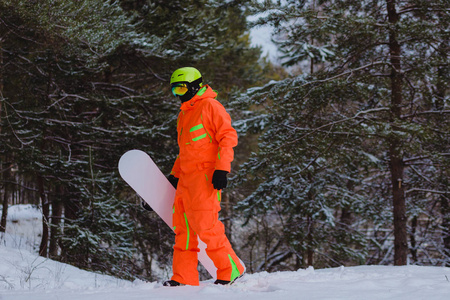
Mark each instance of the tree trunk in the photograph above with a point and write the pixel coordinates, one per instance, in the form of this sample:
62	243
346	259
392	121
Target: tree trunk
396	163
413	238
441	90
57	209
6	191
5	196
310	227
43	248
446	226
1	80
309	238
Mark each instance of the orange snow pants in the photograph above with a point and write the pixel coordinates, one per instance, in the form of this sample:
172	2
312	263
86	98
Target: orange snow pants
196	214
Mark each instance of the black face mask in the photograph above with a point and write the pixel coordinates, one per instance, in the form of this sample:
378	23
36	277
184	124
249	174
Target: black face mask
189	95
193	88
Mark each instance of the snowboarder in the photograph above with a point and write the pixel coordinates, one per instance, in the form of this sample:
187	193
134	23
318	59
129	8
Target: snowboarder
206	140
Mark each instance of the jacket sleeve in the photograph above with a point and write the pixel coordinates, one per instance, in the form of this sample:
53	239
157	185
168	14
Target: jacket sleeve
224	134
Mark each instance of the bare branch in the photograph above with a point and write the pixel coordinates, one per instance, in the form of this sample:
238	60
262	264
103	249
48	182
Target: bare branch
349	72
430	112
423	157
427	191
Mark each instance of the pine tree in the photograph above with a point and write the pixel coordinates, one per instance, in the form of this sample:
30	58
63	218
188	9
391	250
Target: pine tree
356	115
86	81
55	107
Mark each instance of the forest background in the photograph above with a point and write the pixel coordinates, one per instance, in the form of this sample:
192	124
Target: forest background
344	149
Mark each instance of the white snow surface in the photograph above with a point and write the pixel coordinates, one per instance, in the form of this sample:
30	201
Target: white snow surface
23	228
26	276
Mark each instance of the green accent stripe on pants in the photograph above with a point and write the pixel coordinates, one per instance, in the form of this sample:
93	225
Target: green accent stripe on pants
235	271
188	233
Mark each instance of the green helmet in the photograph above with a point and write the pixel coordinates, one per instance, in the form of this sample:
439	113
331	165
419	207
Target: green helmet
185	75
188	77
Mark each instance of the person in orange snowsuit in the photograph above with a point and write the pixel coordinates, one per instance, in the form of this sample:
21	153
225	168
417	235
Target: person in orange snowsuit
206	140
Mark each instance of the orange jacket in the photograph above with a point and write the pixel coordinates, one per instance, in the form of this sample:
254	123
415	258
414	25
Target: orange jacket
205	135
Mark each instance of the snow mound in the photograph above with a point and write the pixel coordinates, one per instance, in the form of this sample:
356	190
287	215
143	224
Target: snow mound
22	270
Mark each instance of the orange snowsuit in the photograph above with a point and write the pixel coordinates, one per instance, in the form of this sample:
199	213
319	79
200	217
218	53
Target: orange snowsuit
206	140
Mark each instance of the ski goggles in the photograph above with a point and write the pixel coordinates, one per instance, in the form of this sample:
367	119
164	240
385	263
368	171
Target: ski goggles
179	89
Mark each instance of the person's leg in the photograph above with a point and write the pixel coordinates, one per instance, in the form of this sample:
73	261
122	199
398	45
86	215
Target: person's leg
219	249
202	211
185	250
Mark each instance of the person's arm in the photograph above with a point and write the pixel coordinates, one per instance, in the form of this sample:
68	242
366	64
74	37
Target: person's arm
226	137
224	134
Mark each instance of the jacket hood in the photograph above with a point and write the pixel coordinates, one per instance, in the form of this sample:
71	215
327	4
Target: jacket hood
205	92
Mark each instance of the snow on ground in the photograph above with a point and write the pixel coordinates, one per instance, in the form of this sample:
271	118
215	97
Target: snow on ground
23	227
26	276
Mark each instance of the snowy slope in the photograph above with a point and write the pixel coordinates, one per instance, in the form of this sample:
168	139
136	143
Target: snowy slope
25	276
52	280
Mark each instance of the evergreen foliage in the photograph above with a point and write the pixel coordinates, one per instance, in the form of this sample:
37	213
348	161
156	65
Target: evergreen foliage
84	81
350	151
357	131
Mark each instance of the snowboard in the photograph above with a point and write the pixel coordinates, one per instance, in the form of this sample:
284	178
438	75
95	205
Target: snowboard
138	170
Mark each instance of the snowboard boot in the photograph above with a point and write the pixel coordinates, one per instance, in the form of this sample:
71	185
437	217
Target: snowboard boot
172	283
226	282
222	282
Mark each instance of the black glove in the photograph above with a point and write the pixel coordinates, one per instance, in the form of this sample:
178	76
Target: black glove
146	206
173	180
219	179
